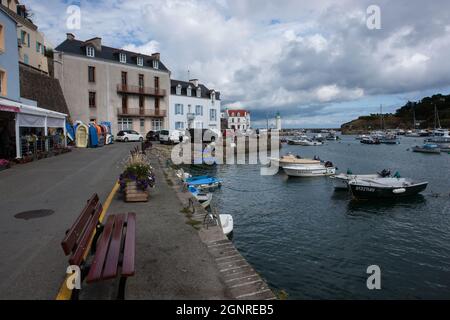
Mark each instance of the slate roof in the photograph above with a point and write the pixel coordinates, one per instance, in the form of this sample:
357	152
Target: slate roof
107	53
205	92
35	85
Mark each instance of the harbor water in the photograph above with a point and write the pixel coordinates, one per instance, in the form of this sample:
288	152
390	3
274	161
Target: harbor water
313	242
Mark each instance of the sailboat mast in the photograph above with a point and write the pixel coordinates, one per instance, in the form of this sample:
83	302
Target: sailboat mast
381	117
414	116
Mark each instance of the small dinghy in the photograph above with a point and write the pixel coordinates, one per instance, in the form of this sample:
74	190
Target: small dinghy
203	183
226	221
82	136
341	181
427	148
203	198
385	188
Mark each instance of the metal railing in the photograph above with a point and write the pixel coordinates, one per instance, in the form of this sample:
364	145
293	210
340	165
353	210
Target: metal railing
126	88
140	112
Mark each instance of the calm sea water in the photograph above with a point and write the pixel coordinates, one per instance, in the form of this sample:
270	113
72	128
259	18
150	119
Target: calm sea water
304	237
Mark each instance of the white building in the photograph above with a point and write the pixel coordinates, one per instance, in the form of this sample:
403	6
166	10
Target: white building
237	119
193	106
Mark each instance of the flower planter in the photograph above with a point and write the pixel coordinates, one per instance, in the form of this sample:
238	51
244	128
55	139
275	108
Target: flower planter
133	193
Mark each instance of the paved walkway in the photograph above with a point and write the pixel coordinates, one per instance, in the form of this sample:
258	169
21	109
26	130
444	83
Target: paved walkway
32	263
171	260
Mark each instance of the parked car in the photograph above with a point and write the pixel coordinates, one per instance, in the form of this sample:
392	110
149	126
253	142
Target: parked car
170	136
206	135
129	135
152	135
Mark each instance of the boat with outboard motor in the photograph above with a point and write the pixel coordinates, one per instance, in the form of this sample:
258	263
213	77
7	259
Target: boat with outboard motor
427	148
390	187
341	180
310	170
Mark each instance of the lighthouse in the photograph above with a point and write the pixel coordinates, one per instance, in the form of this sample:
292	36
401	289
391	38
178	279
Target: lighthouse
278	121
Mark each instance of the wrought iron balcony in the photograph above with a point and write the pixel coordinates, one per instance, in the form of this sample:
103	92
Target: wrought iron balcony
148	91
140	112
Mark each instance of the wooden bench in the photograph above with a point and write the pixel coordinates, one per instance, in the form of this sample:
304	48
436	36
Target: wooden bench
111	244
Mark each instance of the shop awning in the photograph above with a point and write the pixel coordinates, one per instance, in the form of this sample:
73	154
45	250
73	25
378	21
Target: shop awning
56	122
7	108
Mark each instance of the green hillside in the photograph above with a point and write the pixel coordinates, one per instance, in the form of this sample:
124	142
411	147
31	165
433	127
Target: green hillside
403	117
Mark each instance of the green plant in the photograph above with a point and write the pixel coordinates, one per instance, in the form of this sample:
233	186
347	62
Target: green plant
138	169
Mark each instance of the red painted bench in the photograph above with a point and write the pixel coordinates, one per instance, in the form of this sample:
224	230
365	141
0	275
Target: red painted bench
110	245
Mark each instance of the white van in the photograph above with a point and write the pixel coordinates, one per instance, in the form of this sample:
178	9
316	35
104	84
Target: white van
170	136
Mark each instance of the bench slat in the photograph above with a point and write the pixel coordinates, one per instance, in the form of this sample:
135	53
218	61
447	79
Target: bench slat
74	234
129	249
112	260
82	247
95	272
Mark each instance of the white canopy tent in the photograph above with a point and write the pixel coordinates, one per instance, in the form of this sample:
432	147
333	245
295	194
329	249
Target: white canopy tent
34	117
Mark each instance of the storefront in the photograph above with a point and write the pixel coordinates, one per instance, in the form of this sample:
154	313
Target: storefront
29	129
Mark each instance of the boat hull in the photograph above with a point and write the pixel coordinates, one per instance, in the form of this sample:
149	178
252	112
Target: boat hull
373	192
227	224
309	172
424	150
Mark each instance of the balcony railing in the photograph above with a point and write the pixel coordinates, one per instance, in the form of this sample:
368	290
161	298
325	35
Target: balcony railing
149	91
139	112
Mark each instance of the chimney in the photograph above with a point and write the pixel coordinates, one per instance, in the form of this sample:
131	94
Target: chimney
156	56
70	36
194	82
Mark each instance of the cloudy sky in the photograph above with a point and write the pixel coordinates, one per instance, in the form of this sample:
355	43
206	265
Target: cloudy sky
315	62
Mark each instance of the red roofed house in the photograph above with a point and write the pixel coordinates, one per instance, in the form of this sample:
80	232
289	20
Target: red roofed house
238	119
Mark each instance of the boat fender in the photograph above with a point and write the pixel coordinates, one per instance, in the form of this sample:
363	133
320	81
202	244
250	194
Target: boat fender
398	191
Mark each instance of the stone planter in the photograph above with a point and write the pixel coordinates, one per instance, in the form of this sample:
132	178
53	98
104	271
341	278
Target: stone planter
135	194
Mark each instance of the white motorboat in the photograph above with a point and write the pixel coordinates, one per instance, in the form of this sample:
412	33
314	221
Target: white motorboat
294	141
310	143
290	159
361	136
310	170
226	222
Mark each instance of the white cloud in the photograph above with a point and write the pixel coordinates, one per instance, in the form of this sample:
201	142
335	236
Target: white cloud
276	54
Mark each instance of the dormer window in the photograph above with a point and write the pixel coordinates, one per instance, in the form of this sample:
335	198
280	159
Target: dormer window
178	90
90	52
199	92
140	61
189	91
123	58
155	64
